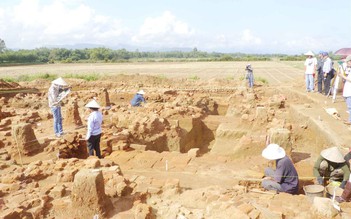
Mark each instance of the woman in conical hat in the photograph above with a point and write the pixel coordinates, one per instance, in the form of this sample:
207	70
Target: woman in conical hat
94	128
138	98
331	165
55	96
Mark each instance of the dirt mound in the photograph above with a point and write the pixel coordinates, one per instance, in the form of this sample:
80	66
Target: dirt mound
8	85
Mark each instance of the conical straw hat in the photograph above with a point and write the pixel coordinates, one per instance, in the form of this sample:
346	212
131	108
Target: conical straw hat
59	81
333	154
141	92
273	152
93	104
309	53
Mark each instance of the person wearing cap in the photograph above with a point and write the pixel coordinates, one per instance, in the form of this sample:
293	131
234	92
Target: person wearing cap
57	91
328	72
249	75
310	68
284	178
331	165
94	129
320	74
138	98
346	93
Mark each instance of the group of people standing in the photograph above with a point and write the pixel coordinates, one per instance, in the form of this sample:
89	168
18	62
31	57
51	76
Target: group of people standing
323	66
58	90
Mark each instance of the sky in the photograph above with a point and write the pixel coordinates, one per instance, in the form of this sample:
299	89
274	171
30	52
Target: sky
247	26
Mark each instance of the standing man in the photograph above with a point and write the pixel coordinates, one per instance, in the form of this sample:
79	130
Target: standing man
94	129
310	68
57	91
138	98
327	72
347	88
249	75
284	178
320	75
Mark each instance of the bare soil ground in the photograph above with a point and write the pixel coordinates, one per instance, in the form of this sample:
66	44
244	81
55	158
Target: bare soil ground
193	151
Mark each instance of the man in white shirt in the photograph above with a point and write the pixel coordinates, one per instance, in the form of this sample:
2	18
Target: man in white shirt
347	89
310	68
327	70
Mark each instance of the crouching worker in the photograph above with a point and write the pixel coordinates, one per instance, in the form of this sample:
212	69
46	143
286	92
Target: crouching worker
94	128
284	178
138	98
331	165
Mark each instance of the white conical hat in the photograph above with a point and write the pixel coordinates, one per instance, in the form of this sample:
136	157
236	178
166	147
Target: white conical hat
141	92
273	152
93	104
59	81
333	154
309	53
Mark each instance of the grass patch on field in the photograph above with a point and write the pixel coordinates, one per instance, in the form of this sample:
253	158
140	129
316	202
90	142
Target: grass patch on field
51	77
31	77
194	77
86	77
263	80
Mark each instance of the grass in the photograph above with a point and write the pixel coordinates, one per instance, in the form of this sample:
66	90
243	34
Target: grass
31	77
263	80
51	77
194	77
86	77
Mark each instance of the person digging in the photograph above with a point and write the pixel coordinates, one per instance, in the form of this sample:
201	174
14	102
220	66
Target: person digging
332	166
284	178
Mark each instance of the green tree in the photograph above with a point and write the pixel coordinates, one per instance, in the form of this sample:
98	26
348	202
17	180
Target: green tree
2	45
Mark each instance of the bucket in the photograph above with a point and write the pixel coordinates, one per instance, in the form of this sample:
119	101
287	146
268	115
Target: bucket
314	191
330	191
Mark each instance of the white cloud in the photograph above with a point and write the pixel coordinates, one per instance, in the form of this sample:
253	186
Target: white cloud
236	41
248	38
40	23
164	30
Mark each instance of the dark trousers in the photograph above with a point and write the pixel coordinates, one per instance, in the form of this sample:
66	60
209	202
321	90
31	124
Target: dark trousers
320	82
94	144
327	84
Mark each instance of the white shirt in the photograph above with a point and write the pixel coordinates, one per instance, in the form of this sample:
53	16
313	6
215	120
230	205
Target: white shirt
94	124
310	65
53	95
347	87
327	67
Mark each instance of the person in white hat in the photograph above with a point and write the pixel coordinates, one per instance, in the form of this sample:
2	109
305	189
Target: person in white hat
331	165
284	178
138	98
310	69
94	129
249	75
57	91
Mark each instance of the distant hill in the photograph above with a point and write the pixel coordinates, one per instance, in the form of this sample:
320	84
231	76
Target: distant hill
120	46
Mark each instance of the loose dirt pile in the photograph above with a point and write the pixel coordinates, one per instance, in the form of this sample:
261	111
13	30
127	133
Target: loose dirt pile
192	151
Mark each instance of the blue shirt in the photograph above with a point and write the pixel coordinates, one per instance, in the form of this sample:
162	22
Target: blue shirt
286	175
94	124
137	99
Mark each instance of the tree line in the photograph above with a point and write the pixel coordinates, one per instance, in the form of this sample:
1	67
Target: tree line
63	55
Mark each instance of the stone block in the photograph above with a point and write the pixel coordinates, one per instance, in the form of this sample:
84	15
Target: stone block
88	194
